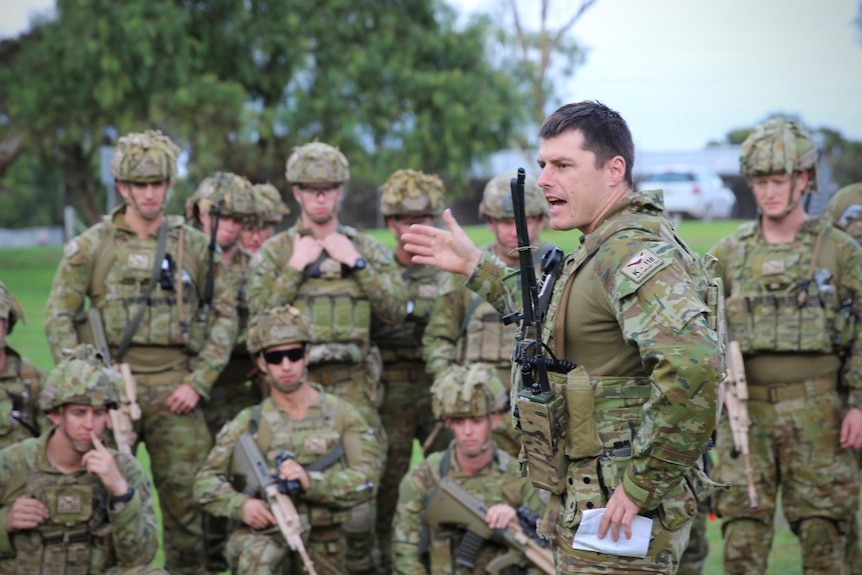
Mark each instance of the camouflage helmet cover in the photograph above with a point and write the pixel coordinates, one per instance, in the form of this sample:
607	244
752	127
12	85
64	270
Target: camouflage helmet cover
277	326
10	309
268	205
411	192
466	392
233	194
317	163
497	198
779	146
81	377
144	157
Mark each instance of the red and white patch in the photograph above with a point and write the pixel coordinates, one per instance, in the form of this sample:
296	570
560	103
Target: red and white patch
641	264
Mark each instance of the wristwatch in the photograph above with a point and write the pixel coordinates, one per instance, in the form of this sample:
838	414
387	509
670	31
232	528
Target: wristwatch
359	264
118	502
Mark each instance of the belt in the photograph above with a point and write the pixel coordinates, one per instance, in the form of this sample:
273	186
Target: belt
61	538
331	375
786	392
170	378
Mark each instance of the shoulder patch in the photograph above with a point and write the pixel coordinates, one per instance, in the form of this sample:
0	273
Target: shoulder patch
638	268
71	248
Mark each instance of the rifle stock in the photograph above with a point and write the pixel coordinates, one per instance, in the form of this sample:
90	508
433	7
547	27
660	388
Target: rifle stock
129	411
248	462
452	506
735	395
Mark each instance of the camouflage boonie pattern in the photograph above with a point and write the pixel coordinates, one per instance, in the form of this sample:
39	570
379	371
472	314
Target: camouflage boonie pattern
640	306
792	395
83	379
845	210
779	147
496	483
497	198
317	163
269	206
347	483
109	265
145	157
110	541
278	326
411	192
233	193
406	409
464	391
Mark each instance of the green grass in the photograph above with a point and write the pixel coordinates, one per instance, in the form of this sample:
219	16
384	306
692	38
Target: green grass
28	272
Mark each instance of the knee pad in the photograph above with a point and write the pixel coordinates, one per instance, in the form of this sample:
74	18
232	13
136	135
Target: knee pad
361	520
823	541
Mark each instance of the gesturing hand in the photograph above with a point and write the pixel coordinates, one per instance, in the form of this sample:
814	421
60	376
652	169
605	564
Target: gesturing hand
99	461
450	249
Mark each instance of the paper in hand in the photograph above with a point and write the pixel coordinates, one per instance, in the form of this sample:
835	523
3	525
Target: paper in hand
587	536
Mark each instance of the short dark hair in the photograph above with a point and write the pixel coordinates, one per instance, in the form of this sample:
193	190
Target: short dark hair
605	132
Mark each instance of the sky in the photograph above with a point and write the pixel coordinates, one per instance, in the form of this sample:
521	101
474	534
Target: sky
685	72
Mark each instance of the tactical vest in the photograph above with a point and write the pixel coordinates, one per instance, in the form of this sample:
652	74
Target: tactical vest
339	310
18	398
308	439
403	341
774	306
120	273
76	539
235	274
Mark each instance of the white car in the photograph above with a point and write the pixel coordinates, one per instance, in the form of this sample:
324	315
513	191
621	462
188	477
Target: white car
690	192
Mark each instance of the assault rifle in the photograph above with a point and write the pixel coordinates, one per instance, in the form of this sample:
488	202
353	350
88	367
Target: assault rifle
451	506
129	410
735	394
248	463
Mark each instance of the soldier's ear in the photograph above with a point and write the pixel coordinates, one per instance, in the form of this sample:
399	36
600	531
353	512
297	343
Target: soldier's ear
261	364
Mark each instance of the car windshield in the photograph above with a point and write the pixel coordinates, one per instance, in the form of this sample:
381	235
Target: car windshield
669	177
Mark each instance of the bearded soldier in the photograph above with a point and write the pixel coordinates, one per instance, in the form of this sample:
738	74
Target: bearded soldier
793	286
68	504
309	424
166	312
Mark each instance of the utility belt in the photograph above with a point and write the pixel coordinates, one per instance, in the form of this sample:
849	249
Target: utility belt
65	538
778	392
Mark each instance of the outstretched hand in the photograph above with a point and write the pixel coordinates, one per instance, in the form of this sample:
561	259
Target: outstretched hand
451	249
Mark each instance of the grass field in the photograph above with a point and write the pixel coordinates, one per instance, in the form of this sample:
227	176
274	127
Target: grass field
28	274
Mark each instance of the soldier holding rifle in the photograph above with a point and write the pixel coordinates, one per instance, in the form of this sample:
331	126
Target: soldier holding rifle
628	424
793	286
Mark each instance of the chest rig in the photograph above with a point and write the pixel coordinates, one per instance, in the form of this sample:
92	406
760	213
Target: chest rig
403	341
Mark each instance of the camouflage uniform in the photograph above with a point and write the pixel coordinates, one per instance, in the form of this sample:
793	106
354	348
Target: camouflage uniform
790	331
843	211
269	212
333	491
406	409
642	402
340	303
88	533
111	266
458	393
464	328
20	381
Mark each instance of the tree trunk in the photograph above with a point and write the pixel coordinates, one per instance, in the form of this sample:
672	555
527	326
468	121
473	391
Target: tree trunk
10	148
79	182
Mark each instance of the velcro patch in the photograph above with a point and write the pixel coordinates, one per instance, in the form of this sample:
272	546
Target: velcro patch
71	248
772	267
427	291
69	504
315	445
639	266
139	261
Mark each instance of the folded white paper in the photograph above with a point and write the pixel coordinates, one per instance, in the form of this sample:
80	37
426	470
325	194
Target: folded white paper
587	536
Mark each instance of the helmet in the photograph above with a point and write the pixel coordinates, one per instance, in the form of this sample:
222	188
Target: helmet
411	192
234	195
10	309
277	326
466	392
268	205
317	163
144	157
779	147
81	377
497	198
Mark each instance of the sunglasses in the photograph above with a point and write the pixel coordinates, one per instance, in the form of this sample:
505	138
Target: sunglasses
294	354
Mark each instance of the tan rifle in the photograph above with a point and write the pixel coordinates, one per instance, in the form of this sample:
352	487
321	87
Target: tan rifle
129	411
735	395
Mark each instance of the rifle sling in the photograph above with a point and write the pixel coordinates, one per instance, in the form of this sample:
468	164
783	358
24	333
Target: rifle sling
157	267
326	459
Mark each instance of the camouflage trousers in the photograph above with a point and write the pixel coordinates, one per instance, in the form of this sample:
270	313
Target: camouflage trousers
697	549
178	446
406	415
253	553
230	394
794	446
356	384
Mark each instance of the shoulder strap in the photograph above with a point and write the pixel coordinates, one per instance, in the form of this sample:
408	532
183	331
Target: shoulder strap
157	267
471	308
102	259
445	463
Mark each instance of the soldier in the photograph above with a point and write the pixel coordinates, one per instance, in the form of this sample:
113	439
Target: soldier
461	397
641	403
845	210
271	210
408	197
464	328
166	312
20	381
310	424
70	505
792	285
339	277
221	207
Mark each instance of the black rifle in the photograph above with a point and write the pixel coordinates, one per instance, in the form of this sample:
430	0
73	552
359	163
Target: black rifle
215	216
